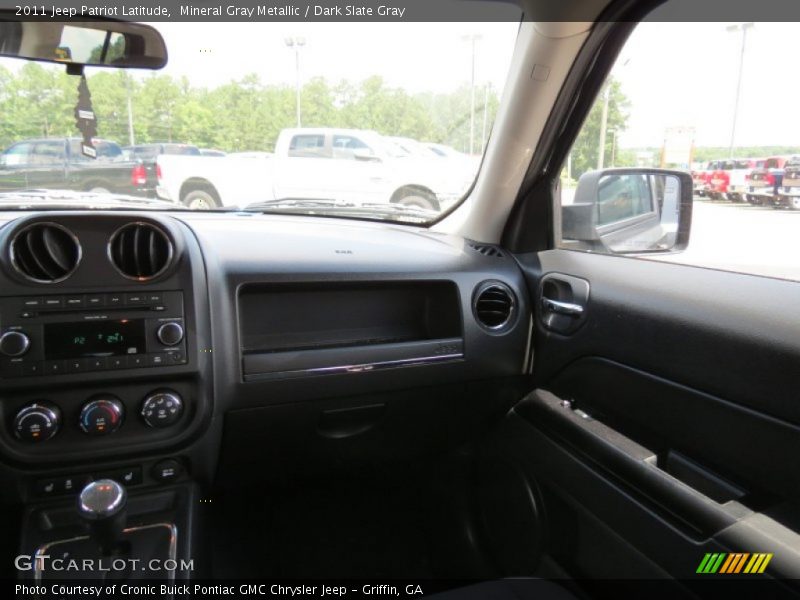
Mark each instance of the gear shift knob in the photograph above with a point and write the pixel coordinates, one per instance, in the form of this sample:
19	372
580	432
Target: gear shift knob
101	504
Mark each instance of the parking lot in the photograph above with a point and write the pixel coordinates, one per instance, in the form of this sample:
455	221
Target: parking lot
745	238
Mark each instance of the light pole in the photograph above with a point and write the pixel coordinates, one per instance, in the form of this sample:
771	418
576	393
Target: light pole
472	38
601	149
485	111
131	139
613	133
743	27
296	42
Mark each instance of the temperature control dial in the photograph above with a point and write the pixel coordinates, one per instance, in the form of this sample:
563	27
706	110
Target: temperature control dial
102	415
162	409
14	343
37	422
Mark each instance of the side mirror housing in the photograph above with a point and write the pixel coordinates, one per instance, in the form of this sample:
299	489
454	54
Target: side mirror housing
365	154
624	211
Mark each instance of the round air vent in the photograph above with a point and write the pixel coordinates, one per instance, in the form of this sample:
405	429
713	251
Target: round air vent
45	252
140	251
494	305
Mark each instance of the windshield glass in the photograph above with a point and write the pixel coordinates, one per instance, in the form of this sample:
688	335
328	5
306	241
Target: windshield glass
335	120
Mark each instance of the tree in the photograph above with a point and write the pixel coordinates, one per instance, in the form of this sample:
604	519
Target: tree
240	115
584	151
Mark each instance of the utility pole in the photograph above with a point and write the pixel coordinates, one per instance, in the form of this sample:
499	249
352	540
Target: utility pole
613	133
295	43
485	110
601	148
472	38
743	27
131	140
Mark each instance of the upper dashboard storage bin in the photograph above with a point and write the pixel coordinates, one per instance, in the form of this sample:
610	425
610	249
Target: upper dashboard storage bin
302	327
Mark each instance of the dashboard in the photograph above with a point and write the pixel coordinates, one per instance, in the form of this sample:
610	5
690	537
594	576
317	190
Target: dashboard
180	345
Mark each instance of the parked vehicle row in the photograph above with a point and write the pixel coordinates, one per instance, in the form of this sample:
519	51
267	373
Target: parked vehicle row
347	166
357	167
772	181
58	163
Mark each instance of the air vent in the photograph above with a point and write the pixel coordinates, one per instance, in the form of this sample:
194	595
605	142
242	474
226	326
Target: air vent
494	305
45	252
140	251
486	249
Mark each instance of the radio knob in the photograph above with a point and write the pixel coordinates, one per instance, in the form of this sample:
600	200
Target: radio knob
162	409
37	422
170	334
102	416
14	343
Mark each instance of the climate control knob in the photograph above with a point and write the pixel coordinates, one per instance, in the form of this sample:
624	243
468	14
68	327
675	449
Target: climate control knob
14	343
37	422
162	409
102	415
170	334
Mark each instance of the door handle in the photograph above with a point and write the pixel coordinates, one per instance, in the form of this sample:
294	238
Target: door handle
563	302
563	308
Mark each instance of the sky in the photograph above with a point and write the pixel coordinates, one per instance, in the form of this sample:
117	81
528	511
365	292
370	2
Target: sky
685	74
415	56
674	74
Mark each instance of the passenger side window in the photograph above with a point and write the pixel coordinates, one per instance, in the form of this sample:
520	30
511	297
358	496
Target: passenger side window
18	155
307	146
47	154
345	146
734	149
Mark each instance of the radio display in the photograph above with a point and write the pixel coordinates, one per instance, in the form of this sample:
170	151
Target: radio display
94	339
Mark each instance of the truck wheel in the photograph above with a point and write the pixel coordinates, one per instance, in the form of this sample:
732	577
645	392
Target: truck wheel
200	200
793	203
418	201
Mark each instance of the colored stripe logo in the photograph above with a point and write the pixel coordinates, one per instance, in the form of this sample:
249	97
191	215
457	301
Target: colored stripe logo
734	563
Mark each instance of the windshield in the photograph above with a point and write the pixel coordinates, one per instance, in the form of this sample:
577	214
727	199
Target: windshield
321	120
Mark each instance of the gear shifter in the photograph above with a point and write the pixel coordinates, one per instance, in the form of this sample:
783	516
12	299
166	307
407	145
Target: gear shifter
101	505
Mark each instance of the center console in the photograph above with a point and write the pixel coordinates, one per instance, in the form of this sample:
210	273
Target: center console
105	376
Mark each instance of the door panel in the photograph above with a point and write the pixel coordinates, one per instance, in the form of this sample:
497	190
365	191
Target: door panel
670	421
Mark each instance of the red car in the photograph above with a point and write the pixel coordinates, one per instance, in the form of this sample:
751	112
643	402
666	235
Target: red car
719	179
701	177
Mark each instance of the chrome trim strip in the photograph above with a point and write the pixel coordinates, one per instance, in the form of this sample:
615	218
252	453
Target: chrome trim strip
359	368
173	547
527	363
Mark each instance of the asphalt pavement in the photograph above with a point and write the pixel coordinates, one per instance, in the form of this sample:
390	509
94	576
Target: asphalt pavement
744	238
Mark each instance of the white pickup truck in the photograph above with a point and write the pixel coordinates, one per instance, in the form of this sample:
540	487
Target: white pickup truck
357	166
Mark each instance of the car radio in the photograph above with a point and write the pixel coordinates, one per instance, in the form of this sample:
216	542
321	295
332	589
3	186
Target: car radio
75	333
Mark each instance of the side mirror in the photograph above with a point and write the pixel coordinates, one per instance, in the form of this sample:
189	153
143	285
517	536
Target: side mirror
365	154
629	211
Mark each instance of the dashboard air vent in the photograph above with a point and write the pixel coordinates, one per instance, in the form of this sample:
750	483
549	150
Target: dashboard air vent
486	249
45	252
140	251
494	305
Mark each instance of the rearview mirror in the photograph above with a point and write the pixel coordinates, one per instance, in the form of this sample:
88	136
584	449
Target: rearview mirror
106	44
629	211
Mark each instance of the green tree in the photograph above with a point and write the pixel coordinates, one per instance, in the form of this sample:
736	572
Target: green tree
585	150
